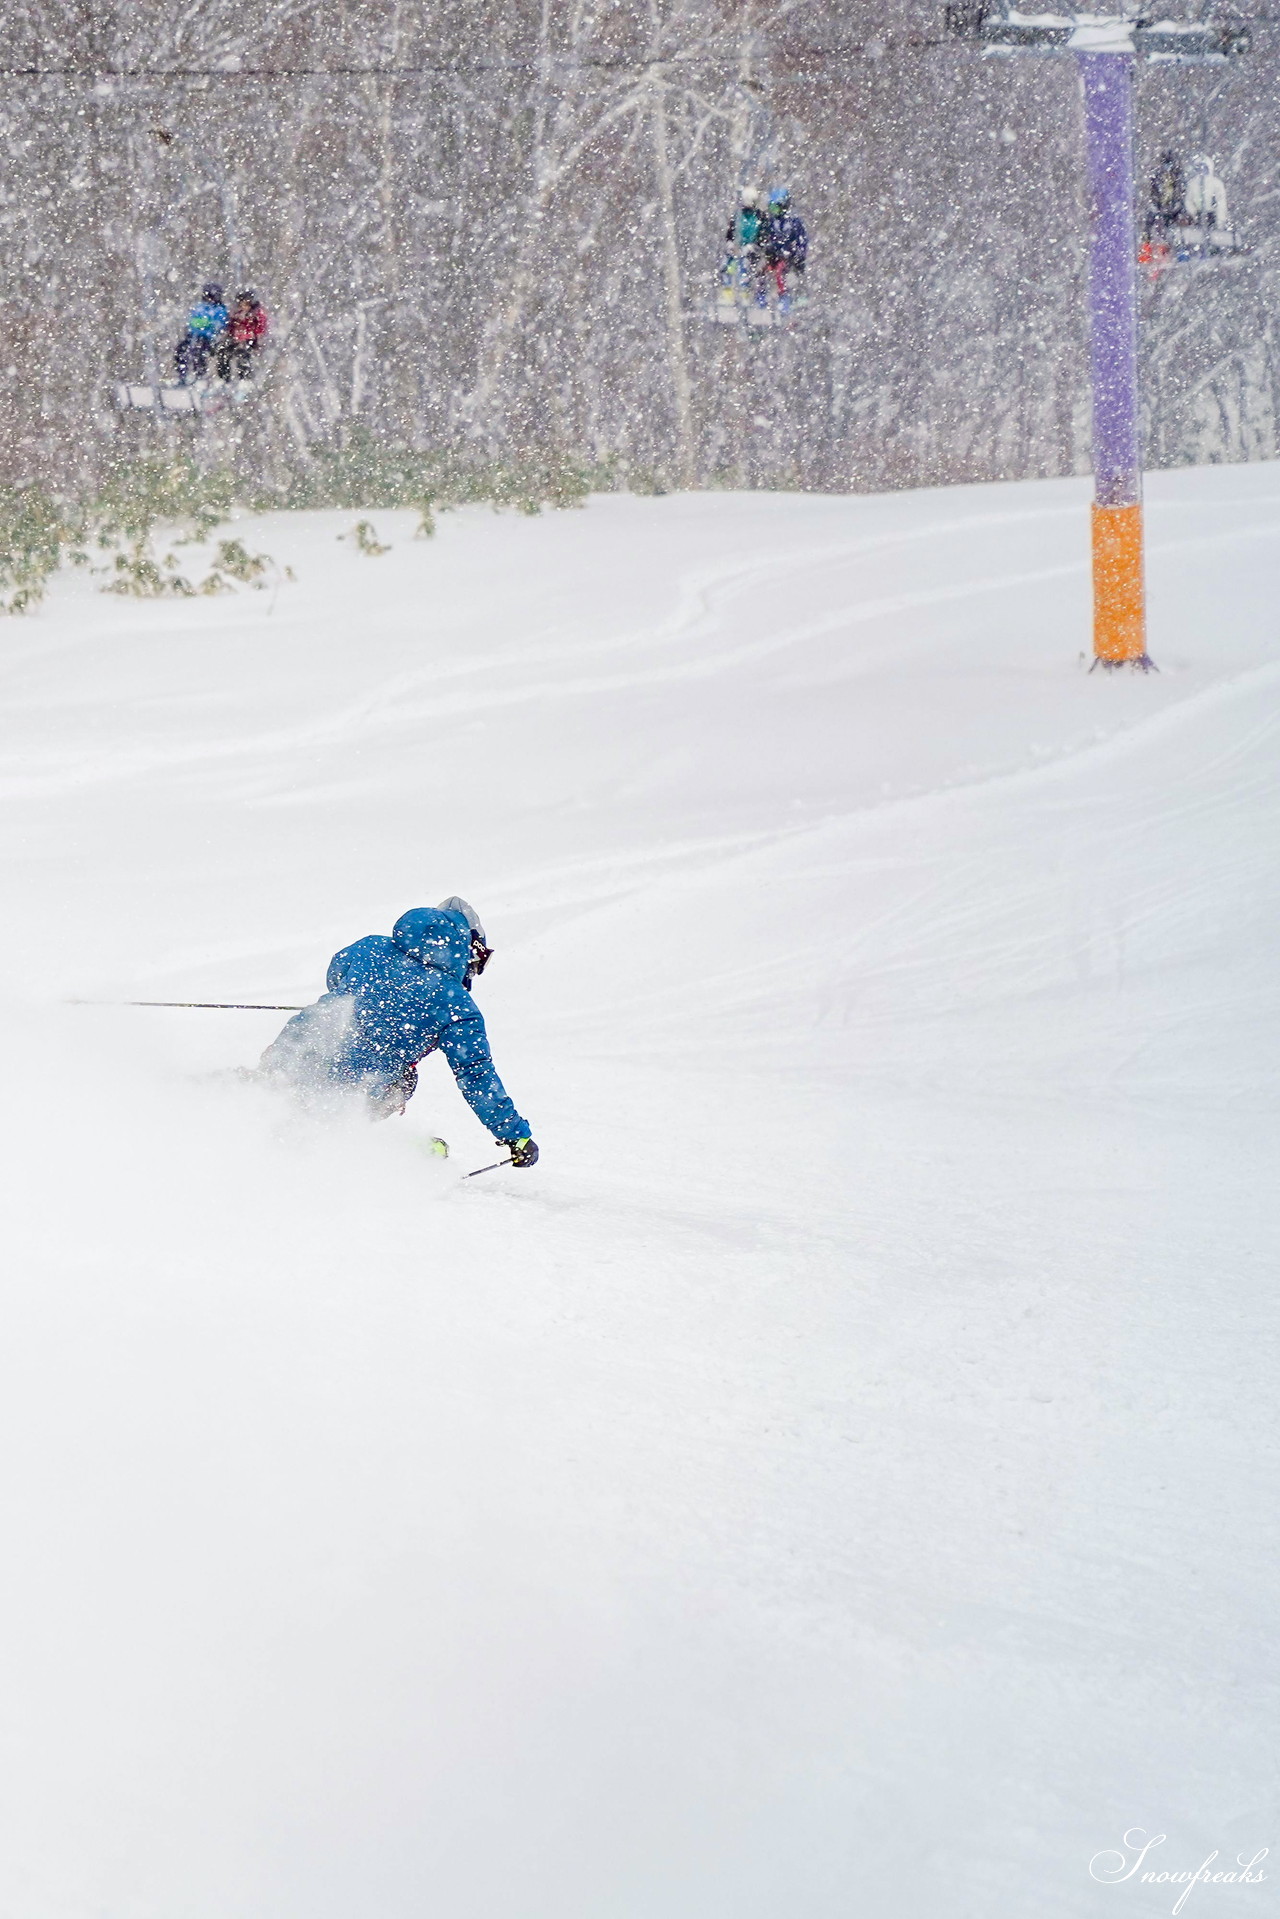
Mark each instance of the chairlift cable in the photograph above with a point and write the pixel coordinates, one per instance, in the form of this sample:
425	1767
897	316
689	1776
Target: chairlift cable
870	50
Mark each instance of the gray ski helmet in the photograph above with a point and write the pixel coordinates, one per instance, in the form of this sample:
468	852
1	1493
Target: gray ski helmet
212	292
481	951
454	904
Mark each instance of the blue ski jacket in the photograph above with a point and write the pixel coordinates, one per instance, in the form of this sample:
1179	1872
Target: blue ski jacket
390	1002
785	238
207	320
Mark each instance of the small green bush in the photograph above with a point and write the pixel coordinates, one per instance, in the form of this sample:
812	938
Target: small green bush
366	539
142	577
234	560
653	484
33	531
140	494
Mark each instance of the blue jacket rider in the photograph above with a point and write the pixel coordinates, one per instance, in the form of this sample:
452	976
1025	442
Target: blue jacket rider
390	1002
208	318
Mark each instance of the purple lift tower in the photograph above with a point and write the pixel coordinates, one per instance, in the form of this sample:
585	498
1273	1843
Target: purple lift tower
1119	595
1107	49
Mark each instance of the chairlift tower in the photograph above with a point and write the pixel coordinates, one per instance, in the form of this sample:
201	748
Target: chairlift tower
1107	49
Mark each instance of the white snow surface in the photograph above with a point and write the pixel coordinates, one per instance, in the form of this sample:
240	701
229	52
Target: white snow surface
840	1479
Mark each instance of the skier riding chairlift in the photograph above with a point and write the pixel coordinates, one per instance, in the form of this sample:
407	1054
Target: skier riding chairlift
246	329
786	248
1167	205
740	269
1206	197
232	340
206	324
767	244
1186	219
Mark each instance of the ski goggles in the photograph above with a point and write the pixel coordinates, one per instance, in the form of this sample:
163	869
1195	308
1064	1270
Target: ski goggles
480	954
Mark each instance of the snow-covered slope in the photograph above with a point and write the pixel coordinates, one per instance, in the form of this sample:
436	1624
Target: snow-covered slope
842	1477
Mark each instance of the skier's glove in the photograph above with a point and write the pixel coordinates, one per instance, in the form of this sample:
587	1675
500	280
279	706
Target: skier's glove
524	1152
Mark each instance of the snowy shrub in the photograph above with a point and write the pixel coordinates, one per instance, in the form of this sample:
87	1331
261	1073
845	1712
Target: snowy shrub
142	577
118	524
33	532
137	496
641	480
140	494
369	474
366	539
234	561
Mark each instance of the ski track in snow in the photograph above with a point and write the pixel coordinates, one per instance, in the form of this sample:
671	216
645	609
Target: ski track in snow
841	1477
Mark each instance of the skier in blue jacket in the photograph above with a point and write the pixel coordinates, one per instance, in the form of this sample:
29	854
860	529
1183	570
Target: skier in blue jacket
390	1002
785	244
206	323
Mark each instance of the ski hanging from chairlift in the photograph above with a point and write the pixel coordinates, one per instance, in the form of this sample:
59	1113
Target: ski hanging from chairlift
1186	218
761	278
214	360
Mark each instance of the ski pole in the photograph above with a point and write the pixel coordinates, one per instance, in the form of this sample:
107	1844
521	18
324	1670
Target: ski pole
488	1169
202	1005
